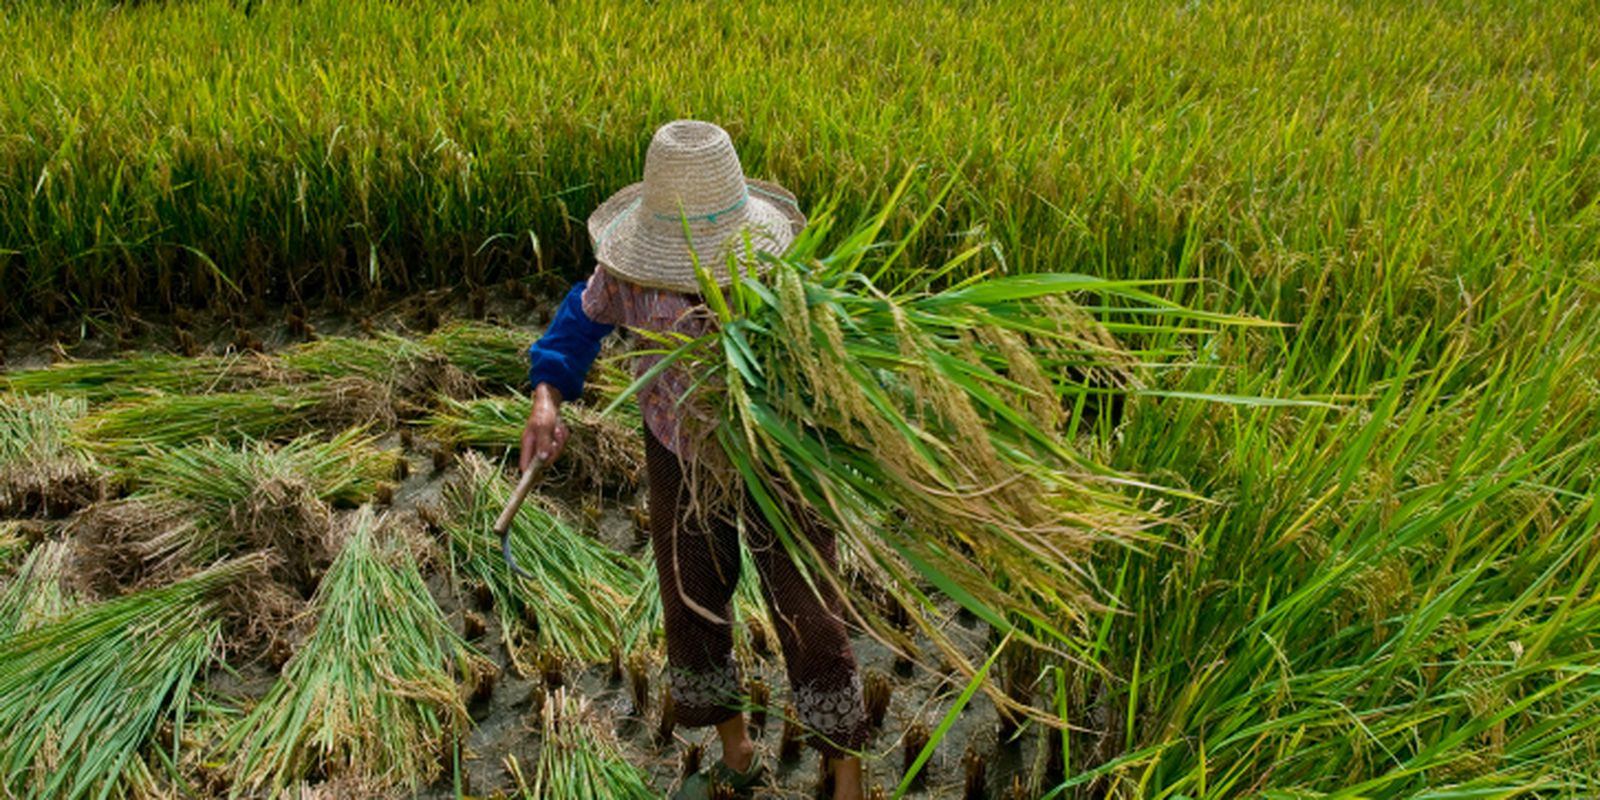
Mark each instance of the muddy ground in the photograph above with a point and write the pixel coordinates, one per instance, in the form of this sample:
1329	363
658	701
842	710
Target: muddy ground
506	721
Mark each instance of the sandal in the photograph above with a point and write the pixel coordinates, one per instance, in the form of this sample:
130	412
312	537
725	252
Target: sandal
698	786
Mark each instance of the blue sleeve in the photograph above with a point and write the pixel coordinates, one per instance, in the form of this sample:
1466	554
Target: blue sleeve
563	356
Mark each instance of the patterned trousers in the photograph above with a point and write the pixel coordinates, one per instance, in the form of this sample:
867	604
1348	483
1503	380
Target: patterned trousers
697	559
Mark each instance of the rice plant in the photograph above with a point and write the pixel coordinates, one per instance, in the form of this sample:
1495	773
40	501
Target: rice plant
347	469
578	757
133	376
415	373
603	451
166	421
574	606
374	692
40	592
492	354
376	359
196	503
82	696
12	543
42	471
932	429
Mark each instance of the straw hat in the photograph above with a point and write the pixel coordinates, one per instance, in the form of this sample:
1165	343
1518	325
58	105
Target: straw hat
690	172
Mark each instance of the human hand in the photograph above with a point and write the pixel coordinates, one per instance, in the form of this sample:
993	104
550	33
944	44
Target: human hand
545	435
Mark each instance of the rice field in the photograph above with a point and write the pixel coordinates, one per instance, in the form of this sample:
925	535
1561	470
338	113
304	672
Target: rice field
269	269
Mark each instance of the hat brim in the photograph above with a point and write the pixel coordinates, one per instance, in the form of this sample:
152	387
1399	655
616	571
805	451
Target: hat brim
649	252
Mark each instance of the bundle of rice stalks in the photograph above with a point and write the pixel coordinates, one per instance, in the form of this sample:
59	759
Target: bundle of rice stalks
603	452
136	376
579	758
12	543
81	696
414	371
39	593
496	356
274	413
930	429
41	472
377	358
218	499
574	605
348	469
374	693
196	503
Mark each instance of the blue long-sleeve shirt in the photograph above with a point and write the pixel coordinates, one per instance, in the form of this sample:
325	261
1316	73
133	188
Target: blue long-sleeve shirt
563	355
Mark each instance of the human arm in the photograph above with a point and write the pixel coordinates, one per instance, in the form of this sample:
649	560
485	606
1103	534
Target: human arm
558	364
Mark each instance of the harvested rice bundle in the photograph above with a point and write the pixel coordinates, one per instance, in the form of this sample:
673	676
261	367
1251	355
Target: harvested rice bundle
574	605
579	758
496	356
377	358
136	376
280	412
929	429
12	543
348	469
374	693
219	499
603	451
39	593
80	697
41	471
415	372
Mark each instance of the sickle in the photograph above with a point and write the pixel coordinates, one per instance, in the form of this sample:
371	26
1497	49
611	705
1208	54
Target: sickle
502	525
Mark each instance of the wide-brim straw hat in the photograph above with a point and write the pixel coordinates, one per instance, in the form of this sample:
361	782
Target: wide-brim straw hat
692	173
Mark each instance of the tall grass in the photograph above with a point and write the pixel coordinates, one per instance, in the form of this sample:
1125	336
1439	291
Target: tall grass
1392	597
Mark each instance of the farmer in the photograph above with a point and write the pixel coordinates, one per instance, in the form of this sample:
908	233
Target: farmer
645	279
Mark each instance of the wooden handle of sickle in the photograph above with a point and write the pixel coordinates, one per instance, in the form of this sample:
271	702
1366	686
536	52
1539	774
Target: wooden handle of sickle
524	486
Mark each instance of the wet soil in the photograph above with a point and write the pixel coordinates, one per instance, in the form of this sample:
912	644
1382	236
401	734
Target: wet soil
506	721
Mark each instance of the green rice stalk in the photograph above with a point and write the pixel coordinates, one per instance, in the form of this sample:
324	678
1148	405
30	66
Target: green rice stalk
347	469
274	413
413	371
575	604
578	757
374	692
12	543
135	376
42	471
377	358
213	499
496	356
929	429
81	696
39	592
602	451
